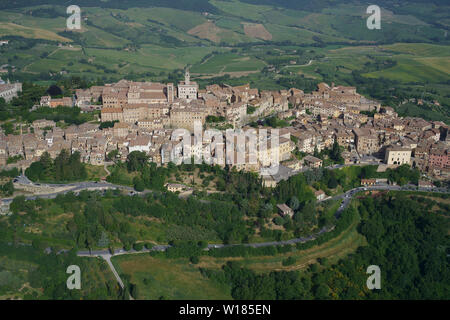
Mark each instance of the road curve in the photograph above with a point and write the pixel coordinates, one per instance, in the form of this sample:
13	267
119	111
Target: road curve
347	197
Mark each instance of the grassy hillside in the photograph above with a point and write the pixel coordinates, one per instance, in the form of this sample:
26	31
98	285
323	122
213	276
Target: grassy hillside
27	273
127	26
267	43
169	279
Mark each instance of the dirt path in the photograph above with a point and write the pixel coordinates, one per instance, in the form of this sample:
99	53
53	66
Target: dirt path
301	65
105	166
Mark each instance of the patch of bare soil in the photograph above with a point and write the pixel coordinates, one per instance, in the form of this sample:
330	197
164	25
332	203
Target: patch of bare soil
207	30
257	30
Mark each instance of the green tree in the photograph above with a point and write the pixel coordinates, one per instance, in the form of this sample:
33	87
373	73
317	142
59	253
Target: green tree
335	153
139	184
112	155
136	161
294	203
194	259
103	242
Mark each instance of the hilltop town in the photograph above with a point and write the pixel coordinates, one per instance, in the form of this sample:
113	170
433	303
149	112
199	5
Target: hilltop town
143	115
224	150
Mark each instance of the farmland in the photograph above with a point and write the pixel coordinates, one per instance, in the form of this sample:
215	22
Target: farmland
267	44
155	39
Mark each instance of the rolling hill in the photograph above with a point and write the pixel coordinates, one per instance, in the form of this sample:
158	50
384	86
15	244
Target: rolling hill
267	43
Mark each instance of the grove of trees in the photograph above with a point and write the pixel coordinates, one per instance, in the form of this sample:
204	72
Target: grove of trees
405	239
65	168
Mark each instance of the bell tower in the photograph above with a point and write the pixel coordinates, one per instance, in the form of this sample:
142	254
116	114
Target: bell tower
187	77
170	93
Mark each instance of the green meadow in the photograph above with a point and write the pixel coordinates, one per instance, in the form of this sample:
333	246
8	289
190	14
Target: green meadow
228	62
173	279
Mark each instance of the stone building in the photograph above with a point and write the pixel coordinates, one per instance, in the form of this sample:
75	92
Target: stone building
397	156
111	114
312	162
366	141
186	117
188	89
10	90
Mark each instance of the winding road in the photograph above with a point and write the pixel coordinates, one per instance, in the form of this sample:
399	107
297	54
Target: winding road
345	197
93	185
79	186
106	254
75	187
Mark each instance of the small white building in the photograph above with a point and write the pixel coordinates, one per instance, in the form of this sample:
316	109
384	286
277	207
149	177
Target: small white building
176	187
320	195
49	139
141	143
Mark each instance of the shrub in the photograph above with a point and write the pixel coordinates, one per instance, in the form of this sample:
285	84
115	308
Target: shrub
289	261
194	259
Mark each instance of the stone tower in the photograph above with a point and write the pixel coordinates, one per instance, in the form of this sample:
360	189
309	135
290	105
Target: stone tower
187	77
170	93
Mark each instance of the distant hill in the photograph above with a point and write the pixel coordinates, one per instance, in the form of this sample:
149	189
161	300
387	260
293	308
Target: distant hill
191	5
271	44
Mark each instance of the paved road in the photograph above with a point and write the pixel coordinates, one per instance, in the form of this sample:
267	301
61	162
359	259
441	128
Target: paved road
78	186
107	258
75	187
106	255
346	199
92	185
111	266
